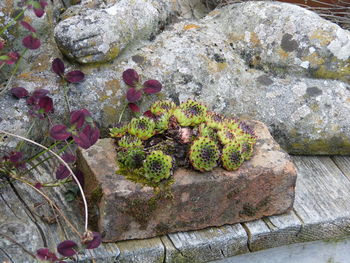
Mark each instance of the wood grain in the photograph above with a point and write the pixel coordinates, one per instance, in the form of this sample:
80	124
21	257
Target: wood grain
321	211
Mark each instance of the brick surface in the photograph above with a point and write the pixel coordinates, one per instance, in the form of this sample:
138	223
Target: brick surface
262	186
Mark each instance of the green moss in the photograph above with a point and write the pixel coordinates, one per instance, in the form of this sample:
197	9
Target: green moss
96	194
113	53
248	210
162	228
337	145
142	210
342	72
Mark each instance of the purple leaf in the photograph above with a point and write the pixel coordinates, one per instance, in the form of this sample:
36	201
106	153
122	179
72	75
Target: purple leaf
58	66
75	76
92	133
38	185
43	4
40	93
152	86
82	140
31	42
133	95
134	107
87	137
46	254
149	114
2	44
12	58
46	104
59	132
68	158
39	7
95	242
66	248
131	77
78	117
80	176
19	92
62	172
28	26
15	157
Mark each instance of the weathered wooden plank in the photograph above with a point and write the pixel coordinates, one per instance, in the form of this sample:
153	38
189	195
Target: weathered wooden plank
322	200
205	245
343	163
322	211
141	251
273	231
33	226
310	252
321	206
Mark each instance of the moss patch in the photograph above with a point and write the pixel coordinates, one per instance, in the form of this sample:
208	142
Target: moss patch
336	145
341	73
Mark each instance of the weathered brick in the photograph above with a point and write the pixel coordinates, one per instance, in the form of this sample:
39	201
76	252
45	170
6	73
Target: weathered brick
262	186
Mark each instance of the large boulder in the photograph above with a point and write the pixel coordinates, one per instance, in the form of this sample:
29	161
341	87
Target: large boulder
200	59
284	38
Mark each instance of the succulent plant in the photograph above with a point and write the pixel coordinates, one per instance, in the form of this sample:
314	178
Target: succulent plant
204	154
157	166
233	124
128	141
118	131
190	113
215	120
206	131
246	129
227	136
247	149
132	158
162	107
162	122
142	127
180	125
231	157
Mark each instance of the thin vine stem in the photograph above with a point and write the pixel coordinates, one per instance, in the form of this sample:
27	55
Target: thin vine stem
66	96
50	202
21	143
18	244
47	158
14	71
13	21
122	113
65	164
44	151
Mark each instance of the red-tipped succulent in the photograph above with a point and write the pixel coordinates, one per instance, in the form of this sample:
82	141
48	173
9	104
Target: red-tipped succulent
134	93
74	76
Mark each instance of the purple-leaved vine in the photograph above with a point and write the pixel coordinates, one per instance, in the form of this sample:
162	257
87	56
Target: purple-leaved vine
82	130
74	76
136	89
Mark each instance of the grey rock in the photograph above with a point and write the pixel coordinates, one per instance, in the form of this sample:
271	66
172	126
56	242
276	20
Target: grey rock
196	59
99	35
285	38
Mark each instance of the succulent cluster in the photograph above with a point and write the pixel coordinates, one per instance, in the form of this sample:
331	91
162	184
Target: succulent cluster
211	140
157	166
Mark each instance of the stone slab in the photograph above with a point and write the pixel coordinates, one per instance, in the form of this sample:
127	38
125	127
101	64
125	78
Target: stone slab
262	186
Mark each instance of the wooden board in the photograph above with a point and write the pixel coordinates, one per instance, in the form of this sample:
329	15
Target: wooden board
321	211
